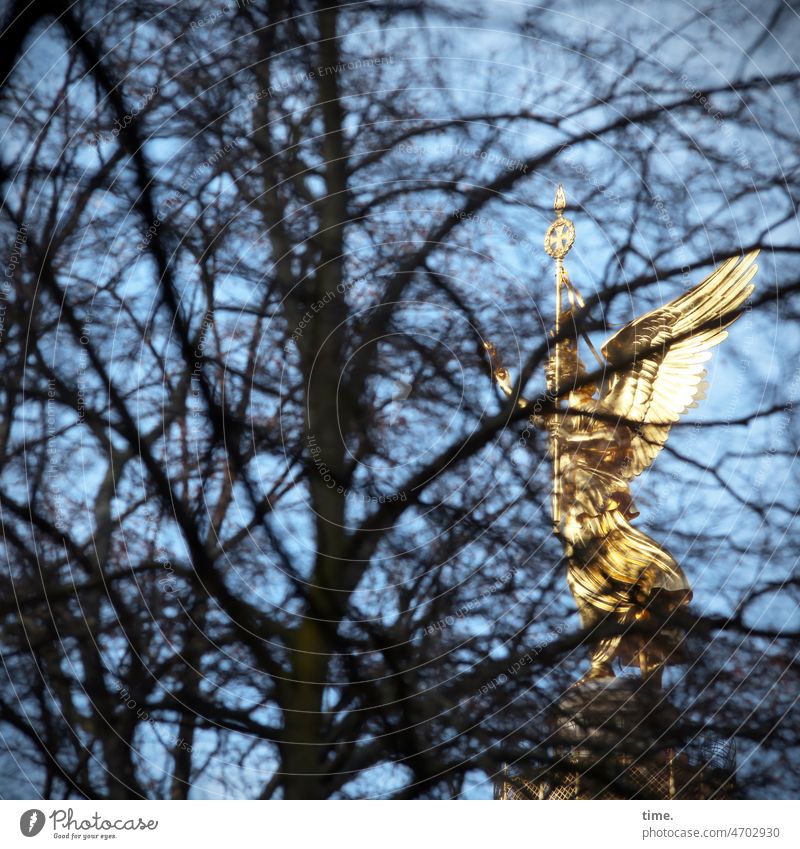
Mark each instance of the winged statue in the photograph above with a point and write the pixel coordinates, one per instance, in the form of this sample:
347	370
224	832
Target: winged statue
653	370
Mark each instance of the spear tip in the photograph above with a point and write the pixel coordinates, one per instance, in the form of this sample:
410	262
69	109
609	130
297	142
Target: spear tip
560	203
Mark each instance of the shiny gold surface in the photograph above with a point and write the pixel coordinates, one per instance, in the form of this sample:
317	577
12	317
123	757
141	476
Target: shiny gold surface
605	437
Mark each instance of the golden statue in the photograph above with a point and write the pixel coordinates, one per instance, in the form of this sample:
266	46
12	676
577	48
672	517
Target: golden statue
652	372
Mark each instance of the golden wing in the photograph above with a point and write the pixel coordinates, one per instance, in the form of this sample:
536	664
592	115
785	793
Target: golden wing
660	357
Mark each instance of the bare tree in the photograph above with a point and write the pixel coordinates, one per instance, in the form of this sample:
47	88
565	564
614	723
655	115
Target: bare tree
268	529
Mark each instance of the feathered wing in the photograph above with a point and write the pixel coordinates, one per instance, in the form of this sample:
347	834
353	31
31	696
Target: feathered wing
660	357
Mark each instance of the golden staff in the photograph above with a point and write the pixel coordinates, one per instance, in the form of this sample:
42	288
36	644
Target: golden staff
558	239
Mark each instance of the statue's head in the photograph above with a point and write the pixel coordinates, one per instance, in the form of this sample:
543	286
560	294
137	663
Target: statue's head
574	372
582	396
